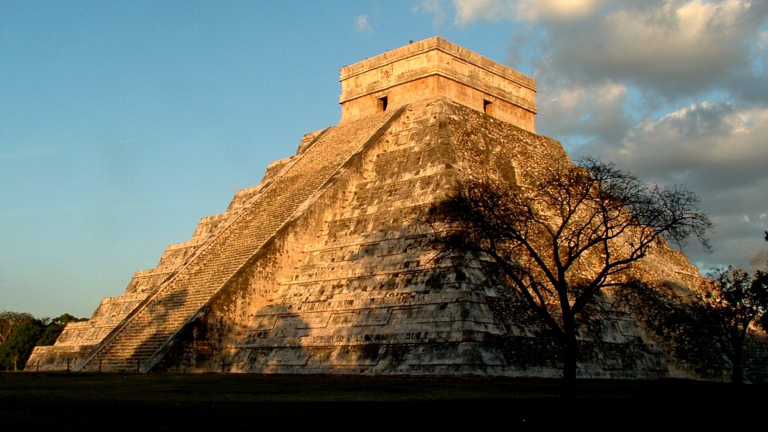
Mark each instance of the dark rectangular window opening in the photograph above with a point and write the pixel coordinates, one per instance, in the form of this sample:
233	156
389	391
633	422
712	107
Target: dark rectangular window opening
383	103
487	107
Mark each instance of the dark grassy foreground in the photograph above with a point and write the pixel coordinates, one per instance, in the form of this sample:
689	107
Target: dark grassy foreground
165	402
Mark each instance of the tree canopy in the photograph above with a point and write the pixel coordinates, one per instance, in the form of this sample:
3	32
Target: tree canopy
738	297
20	332
9	320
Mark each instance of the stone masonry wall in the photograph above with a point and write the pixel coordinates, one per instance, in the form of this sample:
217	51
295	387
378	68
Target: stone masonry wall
435	67
351	287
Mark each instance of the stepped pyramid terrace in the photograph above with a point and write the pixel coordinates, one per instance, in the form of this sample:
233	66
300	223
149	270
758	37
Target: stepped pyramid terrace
325	266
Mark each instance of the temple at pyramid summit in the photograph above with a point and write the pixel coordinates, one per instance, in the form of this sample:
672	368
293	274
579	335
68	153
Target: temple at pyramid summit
326	267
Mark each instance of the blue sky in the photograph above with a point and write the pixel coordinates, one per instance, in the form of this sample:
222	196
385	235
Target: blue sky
123	123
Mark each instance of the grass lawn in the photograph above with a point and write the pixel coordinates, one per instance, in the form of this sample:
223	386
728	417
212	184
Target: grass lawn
166	402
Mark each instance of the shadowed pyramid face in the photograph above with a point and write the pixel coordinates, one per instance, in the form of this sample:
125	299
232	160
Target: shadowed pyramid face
325	267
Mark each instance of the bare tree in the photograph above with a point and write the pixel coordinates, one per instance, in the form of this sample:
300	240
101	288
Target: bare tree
562	239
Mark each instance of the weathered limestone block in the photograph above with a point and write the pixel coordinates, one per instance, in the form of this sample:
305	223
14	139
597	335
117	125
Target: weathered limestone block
78	338
435	67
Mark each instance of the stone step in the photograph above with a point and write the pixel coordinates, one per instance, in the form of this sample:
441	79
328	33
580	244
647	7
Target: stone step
179	298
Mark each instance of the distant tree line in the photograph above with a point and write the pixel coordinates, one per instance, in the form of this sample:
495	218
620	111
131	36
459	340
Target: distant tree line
20	333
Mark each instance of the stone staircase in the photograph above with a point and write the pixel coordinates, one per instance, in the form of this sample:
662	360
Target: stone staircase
139	342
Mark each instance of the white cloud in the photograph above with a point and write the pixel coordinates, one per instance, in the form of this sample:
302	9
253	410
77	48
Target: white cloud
762	40
555	10
362	25
468	11
430	6
595	110
717	150
717	146
692	43
671	47
433	7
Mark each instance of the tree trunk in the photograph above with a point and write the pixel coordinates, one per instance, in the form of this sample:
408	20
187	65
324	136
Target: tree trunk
738	368
569	356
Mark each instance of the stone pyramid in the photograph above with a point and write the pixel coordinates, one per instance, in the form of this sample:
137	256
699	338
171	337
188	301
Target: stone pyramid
324	267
